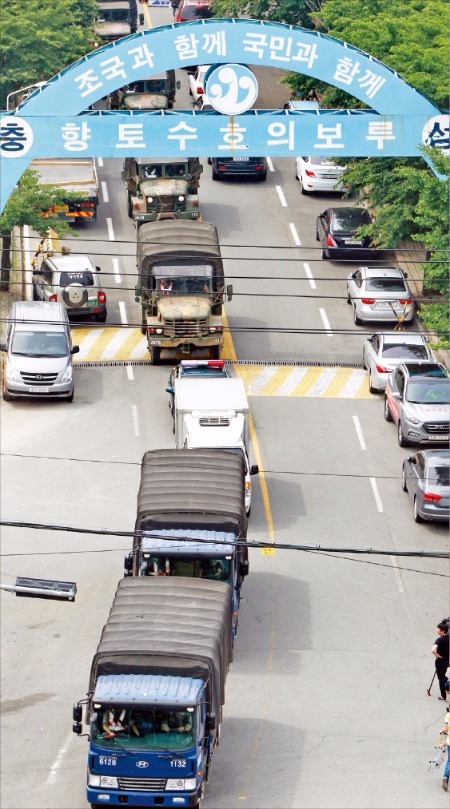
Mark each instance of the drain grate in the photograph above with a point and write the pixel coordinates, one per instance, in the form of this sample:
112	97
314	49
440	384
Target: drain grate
264	363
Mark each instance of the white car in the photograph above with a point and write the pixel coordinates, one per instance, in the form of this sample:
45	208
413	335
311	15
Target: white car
382	352
196	81
380	293
319	174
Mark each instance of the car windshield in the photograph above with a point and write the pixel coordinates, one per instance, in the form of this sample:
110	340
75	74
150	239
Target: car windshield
115	727
85	279
40	344
438	475
204	370
428	391
349	219
385	285
402	351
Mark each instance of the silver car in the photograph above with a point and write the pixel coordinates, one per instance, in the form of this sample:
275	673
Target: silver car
380	293
382	352
417	399
425	476
72	281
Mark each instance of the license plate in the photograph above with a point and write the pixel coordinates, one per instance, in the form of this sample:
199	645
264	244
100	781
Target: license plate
352	241
329	177
240	159
385	305
91	302
437	437
39	390
60	208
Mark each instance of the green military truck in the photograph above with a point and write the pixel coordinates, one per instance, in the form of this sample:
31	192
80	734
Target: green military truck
162	188
181	287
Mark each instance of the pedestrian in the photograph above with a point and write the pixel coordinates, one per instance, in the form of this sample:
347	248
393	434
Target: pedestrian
440	650
444	732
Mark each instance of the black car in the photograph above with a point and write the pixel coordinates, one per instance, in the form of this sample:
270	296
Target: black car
255	167
336	229
425	476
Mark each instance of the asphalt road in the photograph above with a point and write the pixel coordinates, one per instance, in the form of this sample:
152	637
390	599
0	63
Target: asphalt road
326	702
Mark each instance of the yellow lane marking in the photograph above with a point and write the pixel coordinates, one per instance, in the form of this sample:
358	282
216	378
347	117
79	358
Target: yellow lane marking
230	353
147	15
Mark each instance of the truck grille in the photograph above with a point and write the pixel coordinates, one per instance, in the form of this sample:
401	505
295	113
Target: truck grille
214	421
38	379
186	328
143	784
166	203
436	429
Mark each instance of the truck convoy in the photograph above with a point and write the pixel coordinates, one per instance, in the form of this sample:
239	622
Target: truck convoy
181	287
115	19
190	516
213	413
77	175
156	692
162	188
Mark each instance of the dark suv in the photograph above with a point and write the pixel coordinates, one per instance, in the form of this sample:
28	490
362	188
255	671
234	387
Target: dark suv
239	167
417	399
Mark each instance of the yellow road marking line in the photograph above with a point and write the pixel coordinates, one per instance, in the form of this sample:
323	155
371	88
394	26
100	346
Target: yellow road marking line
146	11
277	379
230	353
339	382
307	382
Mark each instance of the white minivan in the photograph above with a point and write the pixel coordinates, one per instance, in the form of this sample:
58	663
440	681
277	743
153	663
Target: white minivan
38	347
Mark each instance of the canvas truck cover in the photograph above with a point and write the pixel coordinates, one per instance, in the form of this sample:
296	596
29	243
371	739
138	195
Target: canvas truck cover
180	241
196	488
168	626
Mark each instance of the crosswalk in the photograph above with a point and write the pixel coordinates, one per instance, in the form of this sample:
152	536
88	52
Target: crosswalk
99	345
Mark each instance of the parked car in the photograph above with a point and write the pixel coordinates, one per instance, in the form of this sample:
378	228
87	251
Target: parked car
195	368
382	352
196	81
38	348
380	293
425	476
302	104
417	399
72	281
337	230
193	10
203	103
223	167
319	174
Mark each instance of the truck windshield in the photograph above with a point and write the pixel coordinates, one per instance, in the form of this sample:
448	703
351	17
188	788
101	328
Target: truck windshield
215	569
114	15
184	280
116	727
158	86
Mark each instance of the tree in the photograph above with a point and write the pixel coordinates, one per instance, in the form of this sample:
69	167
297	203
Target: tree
39	39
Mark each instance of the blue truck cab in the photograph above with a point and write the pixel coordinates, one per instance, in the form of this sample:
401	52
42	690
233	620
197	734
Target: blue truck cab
156	693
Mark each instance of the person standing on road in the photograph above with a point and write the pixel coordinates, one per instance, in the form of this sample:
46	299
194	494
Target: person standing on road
440	650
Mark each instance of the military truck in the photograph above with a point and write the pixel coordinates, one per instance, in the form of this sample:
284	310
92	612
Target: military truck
162	188
115	19
181	287
158	92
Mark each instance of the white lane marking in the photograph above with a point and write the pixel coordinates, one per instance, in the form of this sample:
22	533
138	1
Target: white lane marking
376	495
291	382
353	385
394	561
359	432
281	196
115	262
100	161
270	164
109	225
262	379
123	313
326	322
309	275
115	344
87	342
295	235
135	419
51	778
130	373
323	381
105	192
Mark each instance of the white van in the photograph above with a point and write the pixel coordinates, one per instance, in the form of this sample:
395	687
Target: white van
38	362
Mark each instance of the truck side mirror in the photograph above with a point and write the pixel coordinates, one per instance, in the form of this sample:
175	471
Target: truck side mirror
98	269
169	390
210	722
254	470
128	564
75	349
229	291
244	568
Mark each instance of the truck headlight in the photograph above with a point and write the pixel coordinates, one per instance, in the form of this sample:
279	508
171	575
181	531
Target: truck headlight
158	331
93	780
178	784
67	375
11	374
150	200
103	781
181	198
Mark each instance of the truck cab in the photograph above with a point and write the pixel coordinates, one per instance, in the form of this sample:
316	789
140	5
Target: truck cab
115	19
157	92
162	188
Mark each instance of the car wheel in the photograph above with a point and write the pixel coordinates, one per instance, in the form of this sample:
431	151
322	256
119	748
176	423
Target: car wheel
357	320
372	389
296	174
129	206
387	412
6	395
302	188
323	253
401	438
209	161
349	300
155	356
101	317
215	174
317	236
417	517
404	486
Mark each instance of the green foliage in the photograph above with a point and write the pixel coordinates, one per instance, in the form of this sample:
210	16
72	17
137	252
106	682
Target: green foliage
292	12
39	39
27	202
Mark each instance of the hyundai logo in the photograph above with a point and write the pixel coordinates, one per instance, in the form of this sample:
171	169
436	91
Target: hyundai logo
142	764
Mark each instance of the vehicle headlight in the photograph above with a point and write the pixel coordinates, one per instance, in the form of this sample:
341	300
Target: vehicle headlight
150	199
110	781
178	784
181	198
410	417
11	374
158	331
67	375
93	780
212	329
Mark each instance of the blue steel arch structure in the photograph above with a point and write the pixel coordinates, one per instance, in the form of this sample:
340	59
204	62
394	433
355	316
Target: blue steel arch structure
66	97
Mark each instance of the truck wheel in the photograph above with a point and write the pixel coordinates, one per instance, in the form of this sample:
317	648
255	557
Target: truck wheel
215	353
155	355
129	205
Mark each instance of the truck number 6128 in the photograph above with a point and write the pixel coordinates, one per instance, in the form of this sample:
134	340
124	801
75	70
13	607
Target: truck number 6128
178	762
